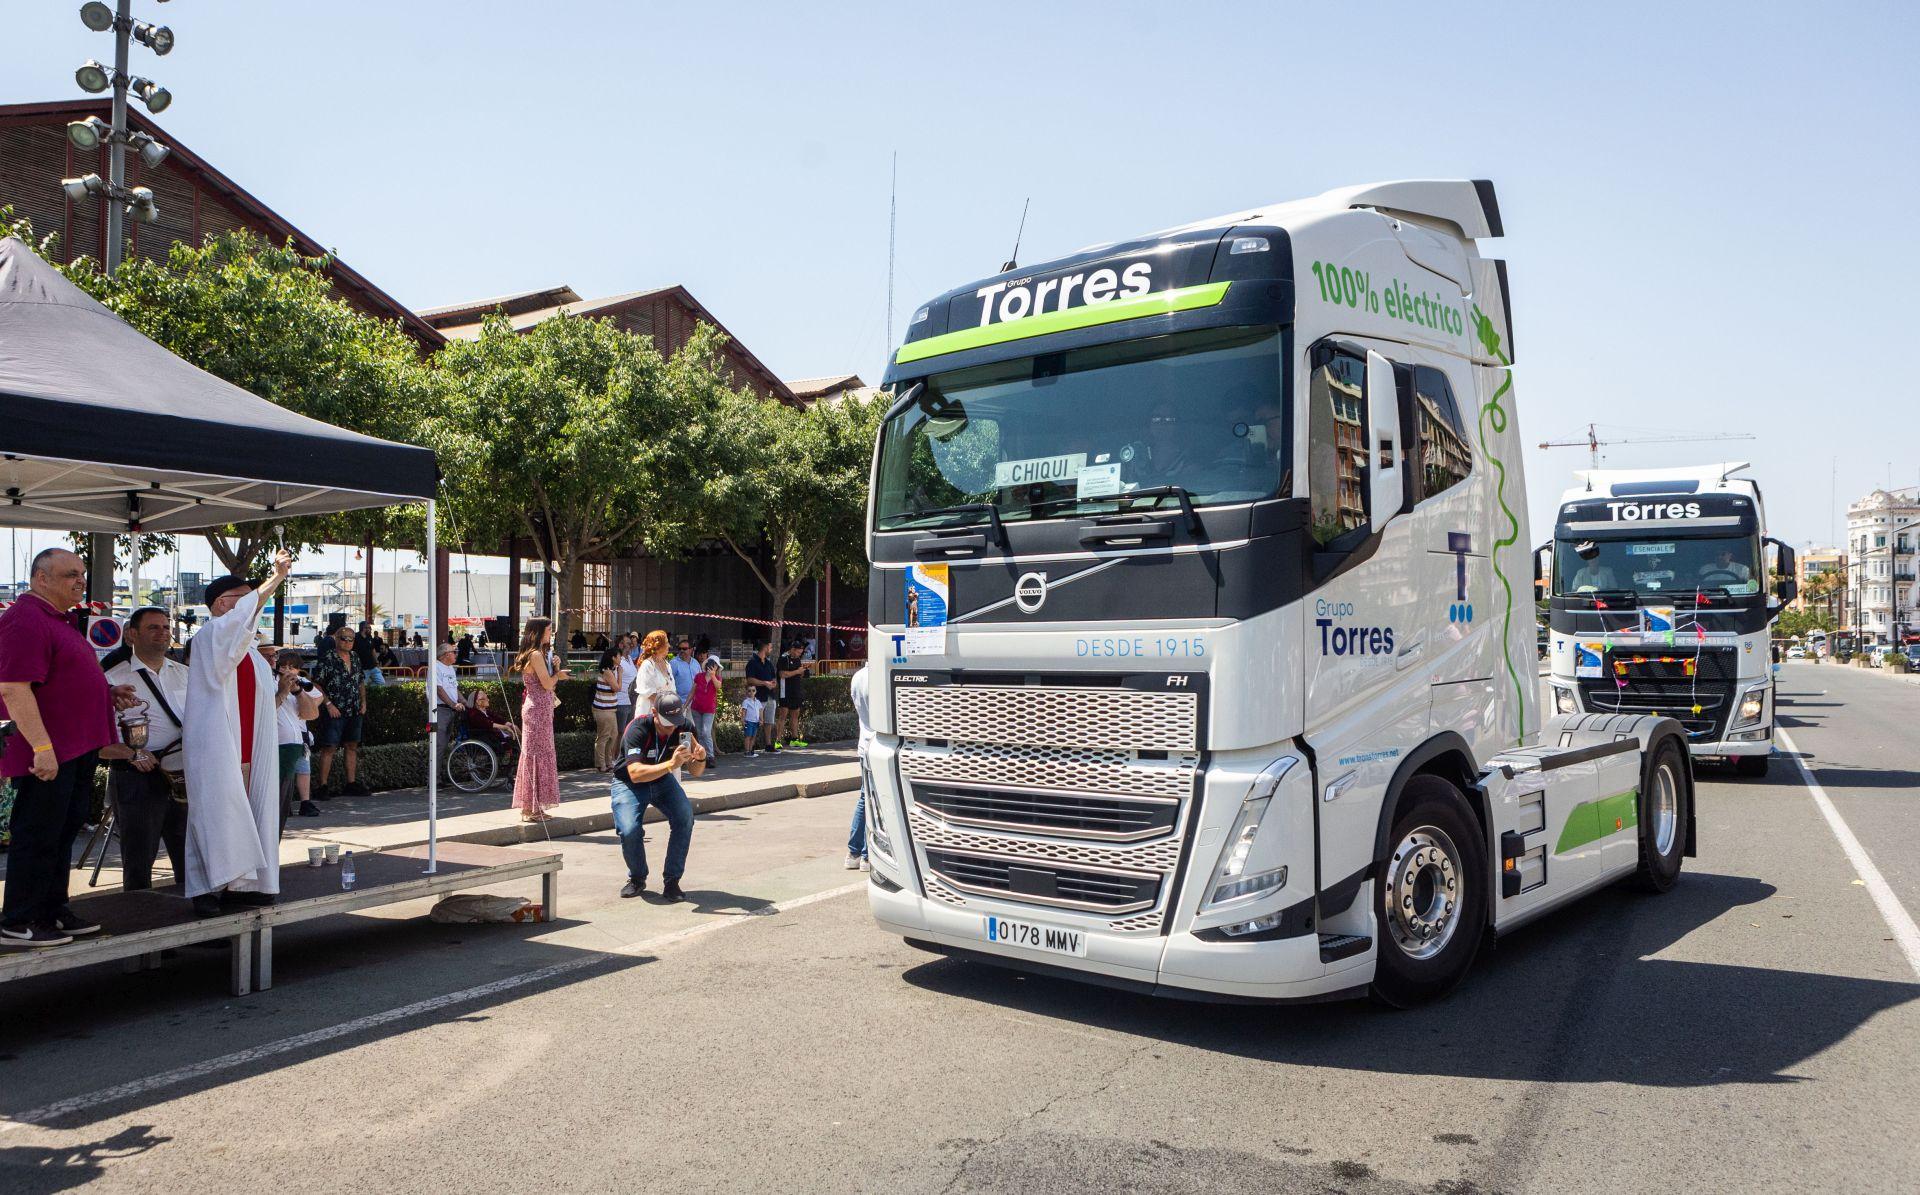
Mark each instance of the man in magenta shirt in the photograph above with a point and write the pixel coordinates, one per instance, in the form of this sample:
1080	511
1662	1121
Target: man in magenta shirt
62	709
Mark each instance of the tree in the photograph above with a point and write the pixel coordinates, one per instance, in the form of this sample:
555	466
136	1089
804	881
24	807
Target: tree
573	433
266	319
786	488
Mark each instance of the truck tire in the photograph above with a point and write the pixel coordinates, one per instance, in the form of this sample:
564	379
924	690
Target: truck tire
1666	796
1430	907
1752	767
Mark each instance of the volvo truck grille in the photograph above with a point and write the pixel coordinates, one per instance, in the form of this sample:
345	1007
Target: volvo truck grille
1042	882
1069	797
1048	812
1668	698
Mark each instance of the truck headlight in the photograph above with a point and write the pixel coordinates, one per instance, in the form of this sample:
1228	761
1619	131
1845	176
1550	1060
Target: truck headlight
1239	875
1563	702
877	836
1751	705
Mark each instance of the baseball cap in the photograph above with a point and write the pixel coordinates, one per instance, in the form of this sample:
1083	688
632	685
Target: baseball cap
671	708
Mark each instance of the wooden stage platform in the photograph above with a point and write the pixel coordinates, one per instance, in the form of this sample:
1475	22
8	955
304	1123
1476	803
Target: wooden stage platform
139	925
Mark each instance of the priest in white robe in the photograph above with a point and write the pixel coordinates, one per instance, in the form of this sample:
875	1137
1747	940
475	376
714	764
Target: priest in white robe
231	749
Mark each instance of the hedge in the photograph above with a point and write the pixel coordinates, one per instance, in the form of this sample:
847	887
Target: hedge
397	713
824	694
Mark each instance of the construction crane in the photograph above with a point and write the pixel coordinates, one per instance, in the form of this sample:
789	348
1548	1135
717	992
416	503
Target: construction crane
1593	443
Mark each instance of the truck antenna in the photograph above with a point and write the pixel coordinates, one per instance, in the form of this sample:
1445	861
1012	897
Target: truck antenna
1013	263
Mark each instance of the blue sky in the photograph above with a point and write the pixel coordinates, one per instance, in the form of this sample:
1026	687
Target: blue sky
1705	201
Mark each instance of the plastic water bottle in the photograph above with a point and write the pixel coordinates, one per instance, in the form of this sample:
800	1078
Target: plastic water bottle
346	872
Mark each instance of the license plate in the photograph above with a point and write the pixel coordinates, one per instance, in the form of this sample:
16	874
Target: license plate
1041	939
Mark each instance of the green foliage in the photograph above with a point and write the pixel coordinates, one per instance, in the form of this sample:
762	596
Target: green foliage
1794	624
574	433
786	488
397	713
824	694
404	765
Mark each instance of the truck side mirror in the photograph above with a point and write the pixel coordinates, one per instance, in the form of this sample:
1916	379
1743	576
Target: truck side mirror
1785	566
1386	481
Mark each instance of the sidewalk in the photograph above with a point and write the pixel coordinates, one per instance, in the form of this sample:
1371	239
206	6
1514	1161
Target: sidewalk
398	818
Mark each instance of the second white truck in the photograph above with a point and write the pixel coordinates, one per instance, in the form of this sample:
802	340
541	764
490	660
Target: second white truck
1660	604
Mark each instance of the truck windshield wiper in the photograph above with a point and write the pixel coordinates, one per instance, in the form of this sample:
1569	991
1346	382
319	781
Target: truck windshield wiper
1158	491
1632	595
962	508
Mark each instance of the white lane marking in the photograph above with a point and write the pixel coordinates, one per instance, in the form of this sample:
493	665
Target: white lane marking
1905	932
314	1037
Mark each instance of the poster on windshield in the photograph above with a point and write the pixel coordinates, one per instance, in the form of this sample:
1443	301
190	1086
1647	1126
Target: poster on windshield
926	602
1656	620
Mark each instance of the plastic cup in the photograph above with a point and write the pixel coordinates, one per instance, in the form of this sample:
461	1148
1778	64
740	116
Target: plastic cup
333	853
316	855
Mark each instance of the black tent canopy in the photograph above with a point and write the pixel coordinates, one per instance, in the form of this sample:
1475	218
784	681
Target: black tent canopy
101	429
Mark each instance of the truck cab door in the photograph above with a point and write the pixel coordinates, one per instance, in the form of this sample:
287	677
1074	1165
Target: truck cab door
1365	699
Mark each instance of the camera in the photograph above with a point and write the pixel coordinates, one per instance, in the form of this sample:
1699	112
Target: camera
306	686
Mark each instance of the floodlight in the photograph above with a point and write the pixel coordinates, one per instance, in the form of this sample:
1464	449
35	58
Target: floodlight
154	96
78	189
96	16
92	77
152	153
140	205
90	133
157	38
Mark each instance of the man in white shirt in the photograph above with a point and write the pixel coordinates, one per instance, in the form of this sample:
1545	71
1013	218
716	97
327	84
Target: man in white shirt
447	681
149	797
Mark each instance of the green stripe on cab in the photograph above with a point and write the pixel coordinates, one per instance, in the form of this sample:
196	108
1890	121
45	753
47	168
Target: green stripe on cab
1187	298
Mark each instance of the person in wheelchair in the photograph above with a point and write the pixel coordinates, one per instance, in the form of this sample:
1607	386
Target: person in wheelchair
489	727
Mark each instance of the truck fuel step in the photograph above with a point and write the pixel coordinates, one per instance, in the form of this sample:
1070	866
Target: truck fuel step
1339	946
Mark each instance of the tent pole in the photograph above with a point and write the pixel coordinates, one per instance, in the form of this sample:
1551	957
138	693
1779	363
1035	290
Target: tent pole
433	711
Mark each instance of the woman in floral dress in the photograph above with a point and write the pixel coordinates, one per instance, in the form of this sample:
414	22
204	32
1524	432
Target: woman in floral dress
536	784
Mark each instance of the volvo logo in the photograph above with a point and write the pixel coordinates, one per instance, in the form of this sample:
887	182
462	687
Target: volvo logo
1030	592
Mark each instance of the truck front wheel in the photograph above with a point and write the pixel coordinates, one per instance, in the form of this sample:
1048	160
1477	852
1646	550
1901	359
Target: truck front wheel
1665	797
1430	911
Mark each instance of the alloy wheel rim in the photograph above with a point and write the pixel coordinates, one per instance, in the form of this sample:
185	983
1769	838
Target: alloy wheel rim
1423	892
1665	803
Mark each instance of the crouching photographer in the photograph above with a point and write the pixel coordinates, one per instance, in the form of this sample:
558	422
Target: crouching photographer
654	748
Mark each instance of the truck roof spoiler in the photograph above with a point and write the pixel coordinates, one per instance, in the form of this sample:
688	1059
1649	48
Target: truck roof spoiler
1469	204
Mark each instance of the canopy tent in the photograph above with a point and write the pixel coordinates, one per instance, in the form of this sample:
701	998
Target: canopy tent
103	430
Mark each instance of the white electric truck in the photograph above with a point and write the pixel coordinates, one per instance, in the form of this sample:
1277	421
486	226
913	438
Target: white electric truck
1203	633
1660	604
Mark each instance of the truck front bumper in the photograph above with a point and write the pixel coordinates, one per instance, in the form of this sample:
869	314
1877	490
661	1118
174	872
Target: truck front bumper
1178	964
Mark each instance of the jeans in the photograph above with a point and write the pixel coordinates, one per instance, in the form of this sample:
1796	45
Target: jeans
857	836
630	803
145	815
703	731
624	716
47	816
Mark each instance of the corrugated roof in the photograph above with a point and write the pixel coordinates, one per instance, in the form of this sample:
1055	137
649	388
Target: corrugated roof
479	307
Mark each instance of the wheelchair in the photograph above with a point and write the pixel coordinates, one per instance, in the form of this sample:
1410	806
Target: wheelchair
474	764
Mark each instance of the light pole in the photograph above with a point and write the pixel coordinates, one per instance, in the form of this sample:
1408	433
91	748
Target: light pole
122	200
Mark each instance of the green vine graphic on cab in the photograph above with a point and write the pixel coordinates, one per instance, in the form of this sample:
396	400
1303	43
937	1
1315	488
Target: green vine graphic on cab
1494	415
1354	288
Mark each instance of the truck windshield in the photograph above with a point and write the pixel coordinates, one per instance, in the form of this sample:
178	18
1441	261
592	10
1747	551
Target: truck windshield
1657	567
1199	415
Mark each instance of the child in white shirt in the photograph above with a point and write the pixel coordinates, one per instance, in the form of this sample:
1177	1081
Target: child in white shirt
750	722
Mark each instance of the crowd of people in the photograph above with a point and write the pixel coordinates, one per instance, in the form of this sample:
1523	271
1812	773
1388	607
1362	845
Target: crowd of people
211	748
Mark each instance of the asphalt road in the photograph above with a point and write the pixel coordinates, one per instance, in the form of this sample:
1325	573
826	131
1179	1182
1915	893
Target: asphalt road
1756	1029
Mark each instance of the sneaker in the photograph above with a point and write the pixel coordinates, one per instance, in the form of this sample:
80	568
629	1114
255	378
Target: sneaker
309	809
326	792
774	749
248	900
73	925
633	889
797	743
35	936
355	789
670	892
207	904
864	865
852	863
